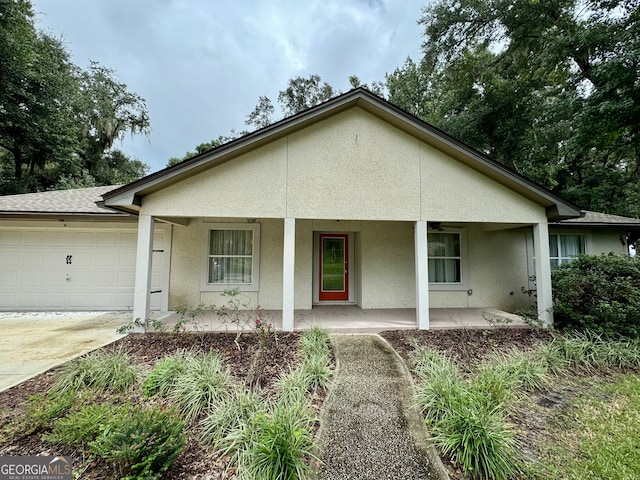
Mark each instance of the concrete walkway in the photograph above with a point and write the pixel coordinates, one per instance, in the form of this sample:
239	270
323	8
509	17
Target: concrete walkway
369	427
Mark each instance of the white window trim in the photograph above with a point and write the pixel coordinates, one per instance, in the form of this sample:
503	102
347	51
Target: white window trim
464	260
255	264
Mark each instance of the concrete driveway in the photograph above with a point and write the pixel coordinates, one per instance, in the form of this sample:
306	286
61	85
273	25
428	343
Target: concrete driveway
31	343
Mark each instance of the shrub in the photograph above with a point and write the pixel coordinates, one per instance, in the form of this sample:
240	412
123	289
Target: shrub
314	341
142	443
317	371
162	378
79	428
523	369
203	382
43	409
293	385
598	293
477	438
231	414
280	443
99	370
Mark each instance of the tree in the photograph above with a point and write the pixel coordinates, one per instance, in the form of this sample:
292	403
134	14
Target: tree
304	93
261	115
58	123
548	88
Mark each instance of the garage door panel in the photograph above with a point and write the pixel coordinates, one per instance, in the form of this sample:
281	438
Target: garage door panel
105	279
34	259
8	279
55	279
73	268
11	238
53	299
83	239
8	258
31	279
107	239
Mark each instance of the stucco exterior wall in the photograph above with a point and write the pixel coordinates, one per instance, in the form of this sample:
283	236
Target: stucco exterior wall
253	185
383	266
352	166
606	241
388	266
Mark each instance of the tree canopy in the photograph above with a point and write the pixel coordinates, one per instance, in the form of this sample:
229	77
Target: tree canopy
550	88
58	122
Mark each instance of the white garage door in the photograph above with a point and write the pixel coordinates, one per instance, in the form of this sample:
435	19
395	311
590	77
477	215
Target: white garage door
74	268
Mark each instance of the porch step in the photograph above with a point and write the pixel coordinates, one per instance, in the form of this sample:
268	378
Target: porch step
370	428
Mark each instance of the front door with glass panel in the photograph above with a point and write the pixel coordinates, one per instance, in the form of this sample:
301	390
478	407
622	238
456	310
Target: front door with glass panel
334	267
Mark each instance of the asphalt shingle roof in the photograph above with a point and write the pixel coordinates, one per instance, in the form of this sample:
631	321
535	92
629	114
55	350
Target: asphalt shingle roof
588	218
75	201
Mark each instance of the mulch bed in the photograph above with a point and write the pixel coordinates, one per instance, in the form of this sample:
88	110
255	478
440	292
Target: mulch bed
196	461
467	346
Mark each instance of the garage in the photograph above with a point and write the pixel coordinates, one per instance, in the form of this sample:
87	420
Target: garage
84	259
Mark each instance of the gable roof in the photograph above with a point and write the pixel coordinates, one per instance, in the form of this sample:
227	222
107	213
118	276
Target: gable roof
78	201
128	197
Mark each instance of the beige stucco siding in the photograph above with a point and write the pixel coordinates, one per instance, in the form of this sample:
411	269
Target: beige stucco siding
497	268
605	242
353	166
189	262
452	191
252	185
388	265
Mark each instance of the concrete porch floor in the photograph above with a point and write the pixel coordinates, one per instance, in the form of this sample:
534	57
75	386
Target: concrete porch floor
353	319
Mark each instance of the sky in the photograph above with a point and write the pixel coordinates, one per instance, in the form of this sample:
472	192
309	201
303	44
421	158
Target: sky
201	65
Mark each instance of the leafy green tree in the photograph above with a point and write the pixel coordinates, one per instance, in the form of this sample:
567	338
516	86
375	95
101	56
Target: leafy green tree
58	123
549	88
304	93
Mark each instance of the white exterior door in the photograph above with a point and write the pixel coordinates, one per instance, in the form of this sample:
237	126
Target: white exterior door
75	268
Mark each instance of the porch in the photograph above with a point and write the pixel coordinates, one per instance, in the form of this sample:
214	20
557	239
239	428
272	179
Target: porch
353	319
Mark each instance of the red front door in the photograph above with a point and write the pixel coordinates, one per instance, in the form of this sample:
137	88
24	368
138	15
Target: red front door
334	267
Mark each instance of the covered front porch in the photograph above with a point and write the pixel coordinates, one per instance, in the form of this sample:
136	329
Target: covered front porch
353	319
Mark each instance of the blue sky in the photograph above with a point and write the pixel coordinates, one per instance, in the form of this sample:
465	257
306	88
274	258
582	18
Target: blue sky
202	64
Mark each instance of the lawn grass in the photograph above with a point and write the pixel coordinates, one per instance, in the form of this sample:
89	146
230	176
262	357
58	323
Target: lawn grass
598	436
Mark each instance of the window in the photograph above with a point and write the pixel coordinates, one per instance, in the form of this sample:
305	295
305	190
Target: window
445	257
232	252
564	247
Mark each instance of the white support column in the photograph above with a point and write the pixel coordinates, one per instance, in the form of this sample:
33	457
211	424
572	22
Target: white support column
288	274
144	253
543	272
422	275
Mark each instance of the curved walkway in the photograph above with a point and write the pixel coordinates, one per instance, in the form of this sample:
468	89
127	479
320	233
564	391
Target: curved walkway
369	428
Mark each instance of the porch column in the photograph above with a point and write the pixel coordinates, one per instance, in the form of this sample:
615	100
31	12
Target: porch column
288	275
422	275
144	253
543	272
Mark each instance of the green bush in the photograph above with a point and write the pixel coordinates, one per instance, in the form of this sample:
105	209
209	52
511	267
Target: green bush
203	382
43	409
229	415
162	378
478	439
314	341
99	370
598	293
79	428
280	442
142	443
